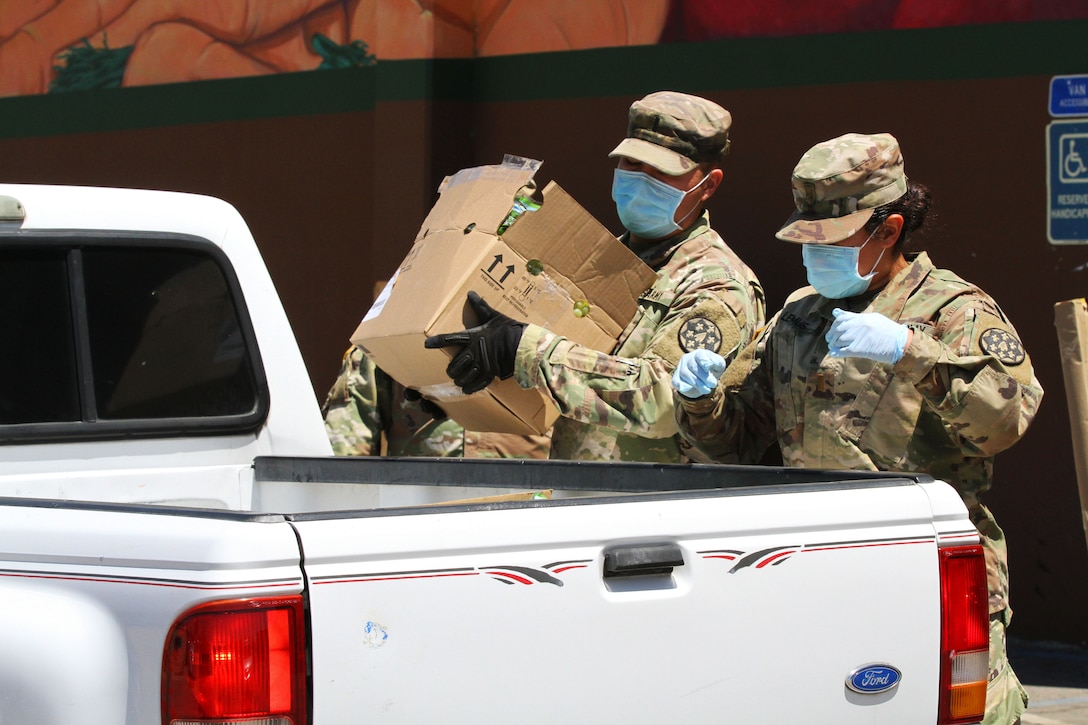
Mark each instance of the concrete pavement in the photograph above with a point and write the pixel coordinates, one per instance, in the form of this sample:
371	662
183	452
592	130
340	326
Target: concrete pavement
1056	678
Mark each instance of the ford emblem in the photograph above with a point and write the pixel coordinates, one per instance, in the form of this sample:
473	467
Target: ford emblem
874	678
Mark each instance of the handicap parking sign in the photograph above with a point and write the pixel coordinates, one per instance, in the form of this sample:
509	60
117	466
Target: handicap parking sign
1067	181
1073	169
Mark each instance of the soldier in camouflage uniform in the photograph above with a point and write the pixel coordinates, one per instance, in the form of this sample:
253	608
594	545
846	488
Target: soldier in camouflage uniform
365	405
619	405
885	363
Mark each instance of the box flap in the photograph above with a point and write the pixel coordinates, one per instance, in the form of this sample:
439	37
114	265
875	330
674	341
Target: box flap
480	196
605	270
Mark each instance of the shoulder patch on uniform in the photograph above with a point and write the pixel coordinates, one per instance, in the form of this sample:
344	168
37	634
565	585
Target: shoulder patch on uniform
699	333
1003	345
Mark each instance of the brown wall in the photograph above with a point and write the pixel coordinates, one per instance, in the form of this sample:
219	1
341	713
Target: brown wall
335	200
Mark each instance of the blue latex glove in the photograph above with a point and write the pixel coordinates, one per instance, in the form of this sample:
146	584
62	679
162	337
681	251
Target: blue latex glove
697	373
867	334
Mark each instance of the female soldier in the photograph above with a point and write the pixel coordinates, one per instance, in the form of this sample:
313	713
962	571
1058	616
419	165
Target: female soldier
884	363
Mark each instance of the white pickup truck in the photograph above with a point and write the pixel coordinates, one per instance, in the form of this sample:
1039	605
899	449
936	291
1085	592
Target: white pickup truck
177	544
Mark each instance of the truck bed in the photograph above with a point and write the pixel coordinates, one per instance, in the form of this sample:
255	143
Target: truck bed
356	483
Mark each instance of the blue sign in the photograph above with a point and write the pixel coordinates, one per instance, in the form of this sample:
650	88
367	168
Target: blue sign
1069	96
1067	181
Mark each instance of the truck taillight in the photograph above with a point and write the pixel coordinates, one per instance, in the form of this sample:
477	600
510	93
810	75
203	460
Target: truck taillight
965	635
238	661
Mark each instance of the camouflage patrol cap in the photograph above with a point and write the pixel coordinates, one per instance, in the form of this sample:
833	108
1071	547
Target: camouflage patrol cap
674	132
838	183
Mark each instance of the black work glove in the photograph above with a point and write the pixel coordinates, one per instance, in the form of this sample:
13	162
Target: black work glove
489	348
429	407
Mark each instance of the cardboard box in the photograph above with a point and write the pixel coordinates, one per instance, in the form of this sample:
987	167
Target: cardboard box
1071	320
556	266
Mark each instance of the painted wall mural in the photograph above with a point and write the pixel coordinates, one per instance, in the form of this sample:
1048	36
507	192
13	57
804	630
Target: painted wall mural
60	45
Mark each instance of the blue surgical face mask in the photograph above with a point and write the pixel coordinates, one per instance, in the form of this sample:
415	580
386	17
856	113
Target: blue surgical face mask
646	206
833	270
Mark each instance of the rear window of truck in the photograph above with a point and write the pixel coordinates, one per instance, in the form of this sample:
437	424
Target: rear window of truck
123	337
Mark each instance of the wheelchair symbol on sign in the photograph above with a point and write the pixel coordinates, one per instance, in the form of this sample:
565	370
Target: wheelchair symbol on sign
1073	167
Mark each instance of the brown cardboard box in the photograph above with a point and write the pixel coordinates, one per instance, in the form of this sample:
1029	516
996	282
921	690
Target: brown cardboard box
536	271
1071	319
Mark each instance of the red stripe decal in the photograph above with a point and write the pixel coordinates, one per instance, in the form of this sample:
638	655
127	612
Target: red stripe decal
568	568
771	559
508	575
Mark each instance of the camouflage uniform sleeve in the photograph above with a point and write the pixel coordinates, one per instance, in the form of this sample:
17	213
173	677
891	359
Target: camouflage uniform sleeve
351	410
632	395
480	444
735	423
973	371
721	314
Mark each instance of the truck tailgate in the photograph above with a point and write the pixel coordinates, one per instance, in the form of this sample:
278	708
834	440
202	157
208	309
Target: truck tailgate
517	613
92	591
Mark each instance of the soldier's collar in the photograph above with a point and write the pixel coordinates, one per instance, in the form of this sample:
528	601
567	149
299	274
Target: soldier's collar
654	255
858	303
